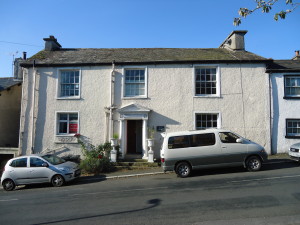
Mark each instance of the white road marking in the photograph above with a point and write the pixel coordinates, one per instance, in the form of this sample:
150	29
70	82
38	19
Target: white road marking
8	200
261	179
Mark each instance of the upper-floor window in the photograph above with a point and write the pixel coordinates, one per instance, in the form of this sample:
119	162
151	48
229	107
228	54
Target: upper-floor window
67	123
69	83
135	82
206	81
292	86
207	120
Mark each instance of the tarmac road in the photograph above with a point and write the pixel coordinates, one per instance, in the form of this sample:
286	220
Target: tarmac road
222	196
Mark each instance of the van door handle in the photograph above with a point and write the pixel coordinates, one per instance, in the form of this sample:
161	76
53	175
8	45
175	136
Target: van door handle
224	147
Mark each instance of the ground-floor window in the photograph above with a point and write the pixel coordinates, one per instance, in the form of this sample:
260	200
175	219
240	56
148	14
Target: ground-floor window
293	128
207	120
67	123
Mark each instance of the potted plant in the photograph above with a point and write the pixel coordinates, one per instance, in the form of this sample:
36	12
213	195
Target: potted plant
114	140
150	140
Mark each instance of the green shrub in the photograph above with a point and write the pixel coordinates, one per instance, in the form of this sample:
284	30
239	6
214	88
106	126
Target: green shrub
96	158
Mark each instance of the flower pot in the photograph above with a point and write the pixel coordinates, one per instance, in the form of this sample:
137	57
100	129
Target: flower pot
114	142
150	142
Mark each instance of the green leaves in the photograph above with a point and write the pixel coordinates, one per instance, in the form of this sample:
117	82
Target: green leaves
266	7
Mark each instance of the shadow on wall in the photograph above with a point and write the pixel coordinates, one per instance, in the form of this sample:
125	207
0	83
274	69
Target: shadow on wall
156	120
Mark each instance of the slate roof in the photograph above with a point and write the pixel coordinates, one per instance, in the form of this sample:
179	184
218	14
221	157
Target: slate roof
7	82
279	66
105	56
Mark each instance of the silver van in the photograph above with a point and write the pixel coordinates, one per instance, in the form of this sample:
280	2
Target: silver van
189	150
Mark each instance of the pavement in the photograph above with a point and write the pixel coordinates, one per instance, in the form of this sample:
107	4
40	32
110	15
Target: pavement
272	159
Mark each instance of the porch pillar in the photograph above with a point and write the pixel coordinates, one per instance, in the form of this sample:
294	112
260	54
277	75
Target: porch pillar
122	138
145	136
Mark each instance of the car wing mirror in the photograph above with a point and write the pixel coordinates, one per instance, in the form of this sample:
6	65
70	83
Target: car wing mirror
45	165
239	140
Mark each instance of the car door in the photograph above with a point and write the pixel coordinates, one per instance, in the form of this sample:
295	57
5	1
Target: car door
233	152
39	172
19	171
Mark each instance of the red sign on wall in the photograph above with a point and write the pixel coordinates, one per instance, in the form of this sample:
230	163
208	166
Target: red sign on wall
73	128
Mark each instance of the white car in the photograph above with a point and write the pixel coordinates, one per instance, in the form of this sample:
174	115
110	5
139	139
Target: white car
32	169
294	152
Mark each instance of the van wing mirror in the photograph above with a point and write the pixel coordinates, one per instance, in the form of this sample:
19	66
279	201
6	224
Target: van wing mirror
239	140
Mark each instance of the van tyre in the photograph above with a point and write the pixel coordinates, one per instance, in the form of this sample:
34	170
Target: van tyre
8	185
183	169
253	164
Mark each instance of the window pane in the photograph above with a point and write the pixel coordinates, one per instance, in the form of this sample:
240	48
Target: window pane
204	121
36	162
134	83
63	127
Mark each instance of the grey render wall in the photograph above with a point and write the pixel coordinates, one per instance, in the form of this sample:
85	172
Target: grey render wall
243	104
282	109
10	106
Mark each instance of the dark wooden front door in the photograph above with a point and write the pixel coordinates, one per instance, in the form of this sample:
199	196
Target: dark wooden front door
134	136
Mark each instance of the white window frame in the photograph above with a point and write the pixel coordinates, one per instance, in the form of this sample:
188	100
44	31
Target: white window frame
56	131
58	85
145	68
219	119
218	80
292	135
285	85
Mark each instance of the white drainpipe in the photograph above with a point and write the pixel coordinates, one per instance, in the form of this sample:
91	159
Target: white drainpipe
112	74
32	110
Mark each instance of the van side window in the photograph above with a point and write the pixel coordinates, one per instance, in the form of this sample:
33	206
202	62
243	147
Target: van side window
203	139
227	137
19	162
179	142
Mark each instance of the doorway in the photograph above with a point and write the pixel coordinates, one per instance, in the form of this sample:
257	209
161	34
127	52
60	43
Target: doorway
134	136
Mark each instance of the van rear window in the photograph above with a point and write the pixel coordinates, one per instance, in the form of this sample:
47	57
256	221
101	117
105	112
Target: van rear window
195	140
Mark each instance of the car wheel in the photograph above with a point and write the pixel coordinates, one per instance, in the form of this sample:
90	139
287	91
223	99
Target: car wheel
8	185
57	181
253	164
183	169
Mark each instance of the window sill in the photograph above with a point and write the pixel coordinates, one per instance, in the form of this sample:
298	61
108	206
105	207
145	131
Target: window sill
292	137
207	96
291	97
69	98
135	97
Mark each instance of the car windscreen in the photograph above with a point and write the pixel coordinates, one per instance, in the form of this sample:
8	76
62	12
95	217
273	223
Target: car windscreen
54	160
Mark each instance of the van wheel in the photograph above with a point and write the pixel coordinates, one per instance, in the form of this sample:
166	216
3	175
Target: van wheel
253	164
183	169
8	185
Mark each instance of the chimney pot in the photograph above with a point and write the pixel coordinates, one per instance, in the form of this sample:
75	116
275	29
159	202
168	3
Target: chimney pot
297	53
24	55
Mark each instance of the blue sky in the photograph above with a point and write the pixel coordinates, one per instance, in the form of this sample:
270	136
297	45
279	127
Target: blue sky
140	24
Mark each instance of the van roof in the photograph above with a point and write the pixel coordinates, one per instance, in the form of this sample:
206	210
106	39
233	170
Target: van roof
187	132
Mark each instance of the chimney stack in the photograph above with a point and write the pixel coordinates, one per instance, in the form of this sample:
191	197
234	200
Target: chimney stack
51	44
297	55
235	41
